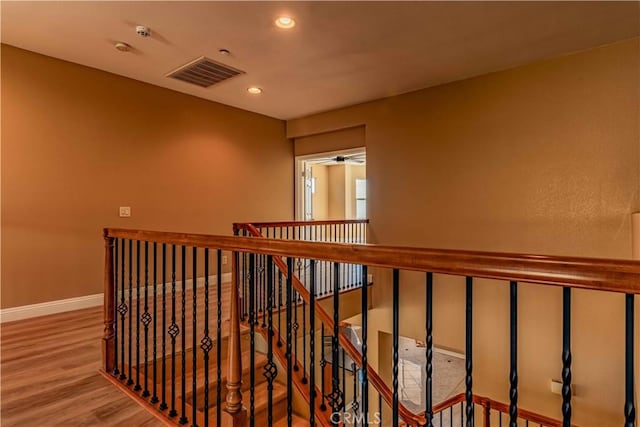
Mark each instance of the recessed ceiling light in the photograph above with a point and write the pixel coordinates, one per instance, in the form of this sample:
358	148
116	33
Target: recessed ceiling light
122	46
285	22
254	90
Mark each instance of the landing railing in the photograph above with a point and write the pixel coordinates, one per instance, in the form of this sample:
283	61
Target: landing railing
330	231
172	335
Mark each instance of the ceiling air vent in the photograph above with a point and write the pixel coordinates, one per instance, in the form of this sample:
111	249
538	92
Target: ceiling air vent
204	72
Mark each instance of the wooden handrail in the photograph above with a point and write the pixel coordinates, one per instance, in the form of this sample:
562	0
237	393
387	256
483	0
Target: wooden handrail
585	273
241	225
486	402
374	379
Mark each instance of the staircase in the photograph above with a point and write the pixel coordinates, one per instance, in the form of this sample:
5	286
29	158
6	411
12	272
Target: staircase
263	349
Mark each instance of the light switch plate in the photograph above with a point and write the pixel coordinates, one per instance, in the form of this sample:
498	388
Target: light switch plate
125	211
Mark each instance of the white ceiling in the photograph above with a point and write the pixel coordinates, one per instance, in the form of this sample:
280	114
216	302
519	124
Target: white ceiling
339	53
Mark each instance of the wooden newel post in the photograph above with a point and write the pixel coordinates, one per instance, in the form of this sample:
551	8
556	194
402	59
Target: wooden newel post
234	383
108	346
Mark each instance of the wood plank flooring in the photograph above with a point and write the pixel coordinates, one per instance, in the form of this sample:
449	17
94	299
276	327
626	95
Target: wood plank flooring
49	375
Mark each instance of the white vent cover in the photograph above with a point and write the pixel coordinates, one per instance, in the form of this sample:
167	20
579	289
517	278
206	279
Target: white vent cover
204	72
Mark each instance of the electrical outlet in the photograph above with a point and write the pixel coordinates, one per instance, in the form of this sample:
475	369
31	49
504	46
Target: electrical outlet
125	211
224	260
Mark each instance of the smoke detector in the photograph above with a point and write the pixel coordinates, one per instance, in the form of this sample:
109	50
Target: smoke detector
143	31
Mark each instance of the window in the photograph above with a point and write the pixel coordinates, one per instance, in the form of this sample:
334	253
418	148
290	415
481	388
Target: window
361	198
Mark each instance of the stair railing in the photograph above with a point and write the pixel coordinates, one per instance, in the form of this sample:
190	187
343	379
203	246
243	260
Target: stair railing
136	263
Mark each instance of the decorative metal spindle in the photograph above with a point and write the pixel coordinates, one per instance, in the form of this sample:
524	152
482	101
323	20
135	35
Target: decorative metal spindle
312	343
122	309
219	335
396	337
137	387
130	380
323	364
183	401
429	350
252	340
154	398
629	406
344	381
335	399
146	319
264	292
513	372
295	327
206	344
566	357
469	349
270	369
364	310
304	342
354	402
279	308
173	331
194	342
380	407
163	403
289	337
115	313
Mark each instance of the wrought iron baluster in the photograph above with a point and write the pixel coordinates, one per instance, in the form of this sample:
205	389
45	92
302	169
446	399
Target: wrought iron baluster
629	405
206	344
323	364
252	340
429	350
279	308
116	371
513	372
264	290
304	342
146	319
183	400
154	398
130	380
194	337
344	382
270	369
295	327
566	357
469	349
137	387
219	334
163	403
290	302
336	398
354	403
173	331
396	335
122	309
312	343
364	310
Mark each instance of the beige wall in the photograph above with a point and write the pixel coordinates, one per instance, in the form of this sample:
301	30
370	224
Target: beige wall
320	199
543	158
336	178
77	143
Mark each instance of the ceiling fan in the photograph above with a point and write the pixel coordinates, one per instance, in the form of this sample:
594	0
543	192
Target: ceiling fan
355	159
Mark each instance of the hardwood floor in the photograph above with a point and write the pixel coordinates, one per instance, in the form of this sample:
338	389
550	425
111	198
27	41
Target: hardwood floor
49	375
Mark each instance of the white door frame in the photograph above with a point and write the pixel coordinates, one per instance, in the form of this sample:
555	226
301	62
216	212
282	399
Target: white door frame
299	178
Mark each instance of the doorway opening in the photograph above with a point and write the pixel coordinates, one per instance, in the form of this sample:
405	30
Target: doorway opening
332	186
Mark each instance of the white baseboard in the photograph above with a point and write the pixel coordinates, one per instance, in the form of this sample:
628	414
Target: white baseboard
60	306
50	307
